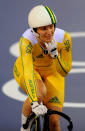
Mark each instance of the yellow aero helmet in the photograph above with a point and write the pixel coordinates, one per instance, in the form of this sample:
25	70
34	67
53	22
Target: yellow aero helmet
41	16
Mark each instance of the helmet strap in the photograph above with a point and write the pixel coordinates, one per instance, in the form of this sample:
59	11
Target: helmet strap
35	33
45	51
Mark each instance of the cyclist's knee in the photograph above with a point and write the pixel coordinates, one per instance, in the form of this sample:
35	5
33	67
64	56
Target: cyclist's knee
26	109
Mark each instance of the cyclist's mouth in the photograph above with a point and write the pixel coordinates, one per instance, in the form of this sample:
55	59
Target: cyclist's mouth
49	37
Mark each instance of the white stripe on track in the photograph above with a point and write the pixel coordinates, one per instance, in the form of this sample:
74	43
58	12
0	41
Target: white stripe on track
77	34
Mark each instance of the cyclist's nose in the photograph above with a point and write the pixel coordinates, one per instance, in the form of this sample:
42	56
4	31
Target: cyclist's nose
49	31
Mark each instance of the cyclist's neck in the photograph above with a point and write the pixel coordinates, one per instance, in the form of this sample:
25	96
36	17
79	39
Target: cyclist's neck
41	42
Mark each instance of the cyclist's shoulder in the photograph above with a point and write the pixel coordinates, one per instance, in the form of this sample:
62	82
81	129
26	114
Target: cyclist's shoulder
28	35
59	35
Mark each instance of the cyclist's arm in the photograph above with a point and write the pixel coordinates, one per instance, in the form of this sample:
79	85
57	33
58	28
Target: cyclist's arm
28	69
64	59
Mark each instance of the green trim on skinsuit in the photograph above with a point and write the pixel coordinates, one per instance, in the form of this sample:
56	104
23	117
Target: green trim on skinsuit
53	19
21	53
62	60
62	66
16	70
34	80
23	68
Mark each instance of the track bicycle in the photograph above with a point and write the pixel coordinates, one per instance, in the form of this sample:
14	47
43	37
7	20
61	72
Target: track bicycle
42	123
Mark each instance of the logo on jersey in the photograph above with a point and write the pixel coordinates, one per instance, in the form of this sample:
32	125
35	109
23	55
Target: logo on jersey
28	49
67	45
40	56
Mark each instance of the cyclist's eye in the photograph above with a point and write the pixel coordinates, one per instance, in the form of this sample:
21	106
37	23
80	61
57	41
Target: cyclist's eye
43	28
51	26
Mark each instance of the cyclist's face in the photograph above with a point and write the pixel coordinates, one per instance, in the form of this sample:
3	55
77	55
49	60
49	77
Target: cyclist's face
46	33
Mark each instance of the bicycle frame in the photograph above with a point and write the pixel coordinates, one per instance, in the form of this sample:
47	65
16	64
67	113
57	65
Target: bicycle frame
43	121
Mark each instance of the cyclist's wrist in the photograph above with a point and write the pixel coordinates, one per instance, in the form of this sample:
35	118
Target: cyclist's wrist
34	104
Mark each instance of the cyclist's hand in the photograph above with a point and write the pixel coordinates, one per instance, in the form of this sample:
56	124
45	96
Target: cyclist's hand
52	48
38	109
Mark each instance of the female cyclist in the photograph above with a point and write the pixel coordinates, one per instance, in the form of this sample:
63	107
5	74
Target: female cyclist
44	60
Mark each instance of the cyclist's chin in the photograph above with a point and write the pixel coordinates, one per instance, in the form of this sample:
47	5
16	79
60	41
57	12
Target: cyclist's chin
48	40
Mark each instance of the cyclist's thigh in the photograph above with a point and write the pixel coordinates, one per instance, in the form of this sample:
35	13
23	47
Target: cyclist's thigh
55	90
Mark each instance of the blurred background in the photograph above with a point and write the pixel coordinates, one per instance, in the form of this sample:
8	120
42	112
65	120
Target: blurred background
13	22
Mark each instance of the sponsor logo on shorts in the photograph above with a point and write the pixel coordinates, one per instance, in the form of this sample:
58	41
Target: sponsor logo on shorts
54	100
